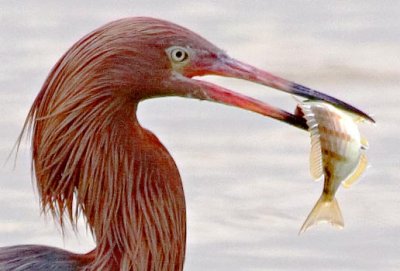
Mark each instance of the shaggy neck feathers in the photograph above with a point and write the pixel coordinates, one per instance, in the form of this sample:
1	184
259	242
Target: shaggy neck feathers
91	157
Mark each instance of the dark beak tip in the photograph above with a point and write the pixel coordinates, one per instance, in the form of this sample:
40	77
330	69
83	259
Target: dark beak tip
311	94
371	119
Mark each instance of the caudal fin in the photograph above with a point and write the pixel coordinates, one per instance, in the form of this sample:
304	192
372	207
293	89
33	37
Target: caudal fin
324	211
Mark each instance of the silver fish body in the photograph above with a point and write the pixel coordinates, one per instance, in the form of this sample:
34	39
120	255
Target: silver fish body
337	153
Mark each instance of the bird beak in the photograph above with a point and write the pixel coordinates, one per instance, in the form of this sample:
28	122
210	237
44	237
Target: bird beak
228	67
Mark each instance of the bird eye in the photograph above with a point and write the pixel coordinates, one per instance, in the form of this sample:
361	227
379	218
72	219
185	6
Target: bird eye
179	54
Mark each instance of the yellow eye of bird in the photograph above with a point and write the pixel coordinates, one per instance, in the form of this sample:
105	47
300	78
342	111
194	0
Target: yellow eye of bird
179	54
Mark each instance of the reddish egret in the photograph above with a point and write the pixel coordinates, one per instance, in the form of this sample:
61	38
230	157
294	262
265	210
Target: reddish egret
92	157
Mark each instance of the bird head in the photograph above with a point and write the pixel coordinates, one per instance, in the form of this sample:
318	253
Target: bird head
174	55
142	58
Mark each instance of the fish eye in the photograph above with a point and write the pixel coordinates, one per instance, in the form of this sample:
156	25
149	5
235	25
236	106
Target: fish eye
178	54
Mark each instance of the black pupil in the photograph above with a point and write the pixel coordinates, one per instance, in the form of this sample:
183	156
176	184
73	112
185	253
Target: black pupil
179	54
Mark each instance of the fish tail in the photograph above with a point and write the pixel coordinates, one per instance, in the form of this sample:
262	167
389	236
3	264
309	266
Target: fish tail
325	210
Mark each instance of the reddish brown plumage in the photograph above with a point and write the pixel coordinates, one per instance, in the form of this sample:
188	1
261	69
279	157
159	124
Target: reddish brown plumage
92	157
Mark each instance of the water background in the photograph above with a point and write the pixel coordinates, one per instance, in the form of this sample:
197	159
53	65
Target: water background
246	177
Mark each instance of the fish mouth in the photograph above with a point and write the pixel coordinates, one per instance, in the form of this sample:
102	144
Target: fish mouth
229	67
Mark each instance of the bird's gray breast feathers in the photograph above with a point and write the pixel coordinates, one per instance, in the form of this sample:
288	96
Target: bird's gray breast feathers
34	257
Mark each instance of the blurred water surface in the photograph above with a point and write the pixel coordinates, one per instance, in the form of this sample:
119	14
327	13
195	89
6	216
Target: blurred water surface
246	177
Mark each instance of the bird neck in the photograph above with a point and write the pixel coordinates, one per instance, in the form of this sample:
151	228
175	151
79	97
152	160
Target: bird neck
97	160
140	221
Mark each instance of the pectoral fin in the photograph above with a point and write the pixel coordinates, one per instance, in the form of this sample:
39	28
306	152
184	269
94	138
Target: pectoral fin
362	165
364	143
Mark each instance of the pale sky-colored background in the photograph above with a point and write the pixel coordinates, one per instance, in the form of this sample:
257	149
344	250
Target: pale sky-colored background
246	177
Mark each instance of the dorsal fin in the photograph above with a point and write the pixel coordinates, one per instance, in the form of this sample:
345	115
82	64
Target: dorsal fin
362	165
316	167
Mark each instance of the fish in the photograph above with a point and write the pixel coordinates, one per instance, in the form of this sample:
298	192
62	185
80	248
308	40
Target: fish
337	154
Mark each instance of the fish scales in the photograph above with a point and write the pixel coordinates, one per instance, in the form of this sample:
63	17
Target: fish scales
337	154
